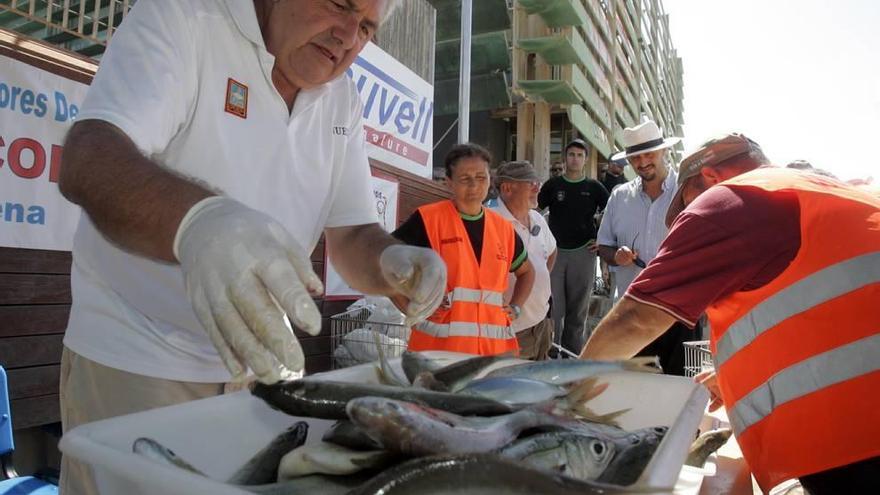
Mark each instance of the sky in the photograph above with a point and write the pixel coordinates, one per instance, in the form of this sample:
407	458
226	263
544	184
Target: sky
802	78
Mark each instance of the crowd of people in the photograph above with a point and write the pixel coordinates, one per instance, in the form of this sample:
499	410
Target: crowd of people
204	124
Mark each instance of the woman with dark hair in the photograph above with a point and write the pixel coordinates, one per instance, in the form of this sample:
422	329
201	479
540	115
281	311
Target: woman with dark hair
480	248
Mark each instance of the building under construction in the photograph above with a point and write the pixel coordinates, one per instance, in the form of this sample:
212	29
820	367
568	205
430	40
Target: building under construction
544	71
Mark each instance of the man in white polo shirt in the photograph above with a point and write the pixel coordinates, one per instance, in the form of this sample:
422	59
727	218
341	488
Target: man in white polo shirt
518	185
218	141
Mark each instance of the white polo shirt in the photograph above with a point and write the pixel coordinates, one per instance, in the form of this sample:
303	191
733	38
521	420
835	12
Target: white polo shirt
539	248
190	83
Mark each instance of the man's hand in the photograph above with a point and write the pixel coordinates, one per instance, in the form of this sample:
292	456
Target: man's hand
243	271
625	256
418	275
710	381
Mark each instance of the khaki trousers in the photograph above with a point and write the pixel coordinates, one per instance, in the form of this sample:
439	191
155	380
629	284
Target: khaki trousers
534	342
91	392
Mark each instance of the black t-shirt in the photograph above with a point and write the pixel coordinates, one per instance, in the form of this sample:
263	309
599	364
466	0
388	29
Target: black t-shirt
572	206
413	232
612	181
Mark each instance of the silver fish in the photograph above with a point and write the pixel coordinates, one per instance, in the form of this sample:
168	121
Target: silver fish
325	485
564	371
161	454
617	460
414	363
512	390
327	399
417	430
263	466
329	458
482	474
346	434
705	444
458	374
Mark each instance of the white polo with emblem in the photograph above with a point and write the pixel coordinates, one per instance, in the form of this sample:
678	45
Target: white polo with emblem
539	248
165	81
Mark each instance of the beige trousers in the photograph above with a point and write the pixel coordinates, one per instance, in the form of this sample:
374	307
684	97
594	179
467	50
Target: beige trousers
534	342
91	392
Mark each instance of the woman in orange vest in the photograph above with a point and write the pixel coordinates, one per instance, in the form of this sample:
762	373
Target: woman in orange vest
787	266
480	248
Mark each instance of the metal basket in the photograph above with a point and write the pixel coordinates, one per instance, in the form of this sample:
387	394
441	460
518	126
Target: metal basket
697	357
353	338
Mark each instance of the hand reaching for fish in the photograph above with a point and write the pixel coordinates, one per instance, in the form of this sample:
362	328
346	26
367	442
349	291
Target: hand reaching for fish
244	272
419	277
709	380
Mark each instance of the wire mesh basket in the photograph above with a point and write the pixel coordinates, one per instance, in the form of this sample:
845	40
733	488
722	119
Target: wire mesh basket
697	357
355	339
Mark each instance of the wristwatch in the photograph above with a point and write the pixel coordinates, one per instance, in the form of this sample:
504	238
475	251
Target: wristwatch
516	310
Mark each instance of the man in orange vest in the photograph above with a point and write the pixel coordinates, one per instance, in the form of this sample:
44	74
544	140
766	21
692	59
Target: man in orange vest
787	266
479	247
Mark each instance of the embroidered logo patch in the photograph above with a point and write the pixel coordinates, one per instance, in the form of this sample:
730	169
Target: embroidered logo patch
236	98
560	195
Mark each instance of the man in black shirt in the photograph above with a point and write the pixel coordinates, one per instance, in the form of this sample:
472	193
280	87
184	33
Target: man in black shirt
614	175
573	200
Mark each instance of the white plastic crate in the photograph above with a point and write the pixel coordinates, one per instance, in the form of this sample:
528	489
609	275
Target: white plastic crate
219	434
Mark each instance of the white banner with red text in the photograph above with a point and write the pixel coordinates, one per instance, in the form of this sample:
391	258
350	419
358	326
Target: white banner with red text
36	109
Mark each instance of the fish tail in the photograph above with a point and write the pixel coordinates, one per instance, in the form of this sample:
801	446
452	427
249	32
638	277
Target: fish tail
646	364
605	419
585	390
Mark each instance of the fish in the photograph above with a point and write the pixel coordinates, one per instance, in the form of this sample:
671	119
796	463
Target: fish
263	466
417	430
565	371
460	373
161	454
414	363
329	458
327	399
346	434
325	485
386	373
482	474
616	459
513	390
705	445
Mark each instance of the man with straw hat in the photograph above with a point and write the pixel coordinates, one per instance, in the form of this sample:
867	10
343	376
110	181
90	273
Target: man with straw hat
634	225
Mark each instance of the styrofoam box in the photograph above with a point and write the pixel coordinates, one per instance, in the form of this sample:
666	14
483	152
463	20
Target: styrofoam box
217	435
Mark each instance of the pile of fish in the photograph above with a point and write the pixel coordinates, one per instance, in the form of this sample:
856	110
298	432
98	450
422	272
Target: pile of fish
522	428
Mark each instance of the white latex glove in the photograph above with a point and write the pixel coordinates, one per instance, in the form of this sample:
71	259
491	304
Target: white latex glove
418	274
243	271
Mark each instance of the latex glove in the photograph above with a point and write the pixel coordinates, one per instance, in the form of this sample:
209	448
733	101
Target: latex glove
709	380
625	256
243	271
418	275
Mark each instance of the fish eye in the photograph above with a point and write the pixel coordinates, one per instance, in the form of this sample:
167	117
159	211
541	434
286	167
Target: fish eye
661	430
598	448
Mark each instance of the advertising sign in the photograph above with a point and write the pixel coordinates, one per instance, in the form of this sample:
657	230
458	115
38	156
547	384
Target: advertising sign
36	110
398	111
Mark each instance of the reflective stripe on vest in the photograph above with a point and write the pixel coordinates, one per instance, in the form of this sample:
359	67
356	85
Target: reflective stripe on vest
489	297
824	285
464	329
811	375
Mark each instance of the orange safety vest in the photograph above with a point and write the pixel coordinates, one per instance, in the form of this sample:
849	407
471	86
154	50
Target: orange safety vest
471	319
798	360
